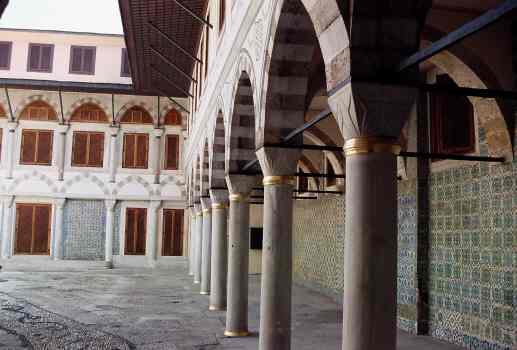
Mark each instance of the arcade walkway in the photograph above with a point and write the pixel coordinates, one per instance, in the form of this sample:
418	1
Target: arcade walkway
87	307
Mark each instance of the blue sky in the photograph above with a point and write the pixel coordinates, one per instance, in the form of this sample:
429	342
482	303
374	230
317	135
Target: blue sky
98	16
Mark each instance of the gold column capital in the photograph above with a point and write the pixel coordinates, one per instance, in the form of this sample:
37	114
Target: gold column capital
200	213
219	206
206	211
238	197
367	144
279	180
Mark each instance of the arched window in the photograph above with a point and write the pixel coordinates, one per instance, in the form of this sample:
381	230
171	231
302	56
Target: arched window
452	121
173	117
90	113
38	110
136	115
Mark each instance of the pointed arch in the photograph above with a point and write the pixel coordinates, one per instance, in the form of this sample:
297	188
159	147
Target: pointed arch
38	110
88	101
34	98
136	105
217	171
89	113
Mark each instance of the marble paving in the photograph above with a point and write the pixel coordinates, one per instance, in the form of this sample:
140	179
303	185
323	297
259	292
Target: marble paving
146	309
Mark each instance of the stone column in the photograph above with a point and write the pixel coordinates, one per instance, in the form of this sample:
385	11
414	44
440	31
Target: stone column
62	129
238	255
370	266
58	228
113	153
152	234
110	225
7	226
9	148
198	243
192	227
278	166
219	277
206	204
157	133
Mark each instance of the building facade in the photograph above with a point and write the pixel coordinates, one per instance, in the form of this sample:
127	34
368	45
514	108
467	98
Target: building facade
91	169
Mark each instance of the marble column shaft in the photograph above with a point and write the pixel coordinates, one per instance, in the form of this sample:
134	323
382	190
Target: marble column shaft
157	136
192	227
113	153
61	150
198	243
9	149
238	266
207	246
7	227
278	166
152	234
58	229
219	277
110	223
370	265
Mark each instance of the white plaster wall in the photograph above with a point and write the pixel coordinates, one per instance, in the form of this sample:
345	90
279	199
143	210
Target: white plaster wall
107	61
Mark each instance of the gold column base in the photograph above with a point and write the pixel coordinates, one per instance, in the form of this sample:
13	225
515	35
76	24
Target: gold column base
197	282
215	308
204	293
236	334
278	180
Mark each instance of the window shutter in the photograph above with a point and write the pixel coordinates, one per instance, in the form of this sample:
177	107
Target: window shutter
125	71
46	57
88	60
142	150
41	229
172	152
96	149
34	57
167	232
5	55
129	150
23	228
76	60
130	231
79	147
141	231
177	248
28	151
44	148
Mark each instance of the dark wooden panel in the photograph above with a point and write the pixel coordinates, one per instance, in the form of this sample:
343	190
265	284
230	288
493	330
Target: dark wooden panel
129	151
178	233
142	151
44	147
24	218
79	148
136	222
171	152
172	236
96	149
141	231
28	150
41	229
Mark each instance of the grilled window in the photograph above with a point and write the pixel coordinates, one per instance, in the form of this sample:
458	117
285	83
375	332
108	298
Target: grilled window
5	55
125	70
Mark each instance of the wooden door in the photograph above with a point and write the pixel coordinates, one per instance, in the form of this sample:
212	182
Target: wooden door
172	242
136	231
33	229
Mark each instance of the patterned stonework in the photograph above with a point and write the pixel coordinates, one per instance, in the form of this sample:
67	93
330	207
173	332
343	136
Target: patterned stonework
83	229
318	227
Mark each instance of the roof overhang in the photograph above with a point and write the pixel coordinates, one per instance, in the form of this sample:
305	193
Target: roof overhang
156	64
68	86
3	5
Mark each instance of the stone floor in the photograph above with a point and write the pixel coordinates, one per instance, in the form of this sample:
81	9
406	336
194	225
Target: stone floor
93	308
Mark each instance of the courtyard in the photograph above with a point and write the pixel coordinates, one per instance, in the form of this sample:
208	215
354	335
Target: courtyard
81	305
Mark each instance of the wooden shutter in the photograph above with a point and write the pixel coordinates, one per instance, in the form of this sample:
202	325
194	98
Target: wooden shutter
136	222
34	57
79	148
178	233
33	228
172	241
46	58
76	59
142	150
24	223
41	229
28	150
5	54
129	150
88	60
171	152
96	151
44	147
142	231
